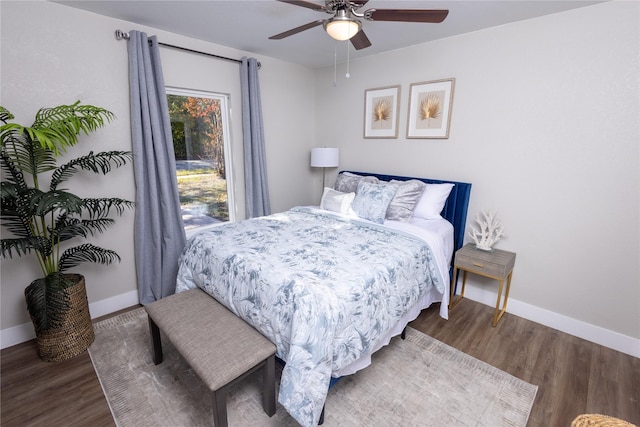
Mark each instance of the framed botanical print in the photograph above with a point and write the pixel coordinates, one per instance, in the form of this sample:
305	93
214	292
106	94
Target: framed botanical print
430	106
381	110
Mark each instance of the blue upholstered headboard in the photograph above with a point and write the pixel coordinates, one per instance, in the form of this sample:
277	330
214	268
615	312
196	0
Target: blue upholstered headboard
455	208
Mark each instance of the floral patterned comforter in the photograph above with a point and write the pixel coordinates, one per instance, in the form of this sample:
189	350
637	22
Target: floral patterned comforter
323	288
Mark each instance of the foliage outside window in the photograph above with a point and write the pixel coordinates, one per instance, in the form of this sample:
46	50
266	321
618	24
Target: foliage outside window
199	126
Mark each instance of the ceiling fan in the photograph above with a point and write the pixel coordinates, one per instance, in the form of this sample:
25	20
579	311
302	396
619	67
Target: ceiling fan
345	25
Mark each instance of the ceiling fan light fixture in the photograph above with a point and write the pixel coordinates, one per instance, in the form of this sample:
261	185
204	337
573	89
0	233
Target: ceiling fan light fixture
342	27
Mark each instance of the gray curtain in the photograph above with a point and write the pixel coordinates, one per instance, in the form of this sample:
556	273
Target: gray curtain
255	165
159	233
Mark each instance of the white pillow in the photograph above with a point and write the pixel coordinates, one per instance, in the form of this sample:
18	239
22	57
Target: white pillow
432	201
336	201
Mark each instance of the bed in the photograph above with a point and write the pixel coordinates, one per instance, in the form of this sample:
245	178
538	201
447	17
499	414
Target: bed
330	285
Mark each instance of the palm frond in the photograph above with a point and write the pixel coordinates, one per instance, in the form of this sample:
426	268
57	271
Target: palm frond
58	128
15	223
11	171
98	163
57	200
23	246
10	132
100	208
31	157
5	115
87	252
17	208
382	109
24	152
67	228
430	107
47	302
9	190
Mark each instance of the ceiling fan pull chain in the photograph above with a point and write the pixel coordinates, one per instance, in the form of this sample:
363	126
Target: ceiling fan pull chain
348	74
335	63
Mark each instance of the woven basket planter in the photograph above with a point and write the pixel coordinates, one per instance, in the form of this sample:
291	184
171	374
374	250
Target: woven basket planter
597	420
74	333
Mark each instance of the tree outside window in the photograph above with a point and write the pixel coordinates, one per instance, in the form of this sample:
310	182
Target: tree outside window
198	126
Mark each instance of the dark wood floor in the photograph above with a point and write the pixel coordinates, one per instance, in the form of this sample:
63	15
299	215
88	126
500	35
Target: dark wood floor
573	376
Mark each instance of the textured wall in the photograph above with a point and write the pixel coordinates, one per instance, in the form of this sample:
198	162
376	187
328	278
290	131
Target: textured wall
545	126
68	54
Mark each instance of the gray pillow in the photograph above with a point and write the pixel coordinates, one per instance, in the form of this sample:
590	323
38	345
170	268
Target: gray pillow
405	200
348	182
372	200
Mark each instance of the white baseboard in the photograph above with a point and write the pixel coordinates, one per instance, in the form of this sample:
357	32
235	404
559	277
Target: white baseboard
589	332
110	305
21	333
16	335
578	328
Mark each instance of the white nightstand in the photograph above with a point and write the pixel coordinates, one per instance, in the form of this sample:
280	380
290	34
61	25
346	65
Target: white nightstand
497	264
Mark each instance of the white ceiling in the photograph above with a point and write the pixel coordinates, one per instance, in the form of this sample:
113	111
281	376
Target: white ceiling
247	24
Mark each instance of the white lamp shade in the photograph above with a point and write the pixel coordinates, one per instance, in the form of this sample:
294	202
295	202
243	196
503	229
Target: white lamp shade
324	157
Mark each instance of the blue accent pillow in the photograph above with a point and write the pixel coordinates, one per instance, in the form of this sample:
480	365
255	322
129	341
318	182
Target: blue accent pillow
372	200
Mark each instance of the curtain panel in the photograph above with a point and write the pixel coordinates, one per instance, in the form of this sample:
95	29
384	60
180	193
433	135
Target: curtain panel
159	232
255	164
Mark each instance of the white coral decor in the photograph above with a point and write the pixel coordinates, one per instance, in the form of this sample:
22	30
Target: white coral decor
490	230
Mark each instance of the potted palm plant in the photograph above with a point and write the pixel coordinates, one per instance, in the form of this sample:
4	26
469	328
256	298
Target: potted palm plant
42	219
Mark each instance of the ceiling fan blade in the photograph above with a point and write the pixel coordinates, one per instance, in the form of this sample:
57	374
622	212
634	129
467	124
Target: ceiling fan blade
306	4
407	15
297	30
360	40
359	3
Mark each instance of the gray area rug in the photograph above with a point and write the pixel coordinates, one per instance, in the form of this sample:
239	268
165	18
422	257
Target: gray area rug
414	382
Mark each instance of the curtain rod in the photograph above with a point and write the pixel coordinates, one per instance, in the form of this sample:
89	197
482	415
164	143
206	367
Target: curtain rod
122	35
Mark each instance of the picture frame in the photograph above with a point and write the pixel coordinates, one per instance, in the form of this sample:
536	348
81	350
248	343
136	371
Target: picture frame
430	105
381	112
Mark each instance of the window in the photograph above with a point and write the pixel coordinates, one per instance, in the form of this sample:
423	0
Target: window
200	130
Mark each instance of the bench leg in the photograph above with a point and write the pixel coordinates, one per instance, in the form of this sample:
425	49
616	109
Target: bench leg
220	408
269	380
155	342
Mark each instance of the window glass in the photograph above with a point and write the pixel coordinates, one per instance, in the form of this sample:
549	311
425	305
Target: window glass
200	130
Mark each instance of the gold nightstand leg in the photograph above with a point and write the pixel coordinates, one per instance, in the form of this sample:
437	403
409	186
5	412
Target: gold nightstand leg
452	301
498	313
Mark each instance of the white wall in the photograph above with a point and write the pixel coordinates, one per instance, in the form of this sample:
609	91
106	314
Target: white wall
53	54
545	124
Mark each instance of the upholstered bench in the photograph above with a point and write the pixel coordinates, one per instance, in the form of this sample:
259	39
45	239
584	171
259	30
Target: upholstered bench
219	346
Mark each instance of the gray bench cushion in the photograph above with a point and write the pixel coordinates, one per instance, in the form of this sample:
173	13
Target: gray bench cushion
216	343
